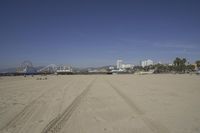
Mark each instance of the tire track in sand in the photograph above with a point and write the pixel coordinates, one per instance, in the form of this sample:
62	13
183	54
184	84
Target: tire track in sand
56	124
28	111
152	125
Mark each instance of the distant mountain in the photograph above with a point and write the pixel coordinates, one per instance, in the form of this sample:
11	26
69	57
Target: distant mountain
106	67
8	70
39	67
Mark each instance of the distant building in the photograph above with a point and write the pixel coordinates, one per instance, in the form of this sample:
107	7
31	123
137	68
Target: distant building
146	63
118	71
63	69
111	68
196	68
127	66
119	64
122	66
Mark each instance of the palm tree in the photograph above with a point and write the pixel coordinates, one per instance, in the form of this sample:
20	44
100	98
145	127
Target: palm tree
180	64
190	68
198	63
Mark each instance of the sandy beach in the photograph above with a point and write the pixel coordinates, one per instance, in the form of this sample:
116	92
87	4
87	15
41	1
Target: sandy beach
162	103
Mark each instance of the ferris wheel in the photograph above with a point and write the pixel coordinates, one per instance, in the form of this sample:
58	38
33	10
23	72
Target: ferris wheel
26	67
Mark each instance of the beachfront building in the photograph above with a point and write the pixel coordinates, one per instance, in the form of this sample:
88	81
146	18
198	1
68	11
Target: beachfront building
127	66
119	64
64	69
146	63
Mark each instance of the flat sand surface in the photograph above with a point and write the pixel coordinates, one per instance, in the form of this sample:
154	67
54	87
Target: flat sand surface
100	104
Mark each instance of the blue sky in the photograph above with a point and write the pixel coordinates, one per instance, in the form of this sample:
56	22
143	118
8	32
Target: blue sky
97	33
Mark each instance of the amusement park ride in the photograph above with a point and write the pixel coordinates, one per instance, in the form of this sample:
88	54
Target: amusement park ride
27	68
48	69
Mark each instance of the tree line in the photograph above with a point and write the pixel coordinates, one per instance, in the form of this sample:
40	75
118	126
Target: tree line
180	65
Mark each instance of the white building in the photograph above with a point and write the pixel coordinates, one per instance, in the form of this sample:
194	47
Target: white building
111	68
122	66
119	64
146	63
64	69
126	66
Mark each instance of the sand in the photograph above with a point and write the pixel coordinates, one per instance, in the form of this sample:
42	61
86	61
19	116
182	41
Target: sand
100	104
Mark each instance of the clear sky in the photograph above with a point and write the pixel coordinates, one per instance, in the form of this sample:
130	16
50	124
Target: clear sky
96	33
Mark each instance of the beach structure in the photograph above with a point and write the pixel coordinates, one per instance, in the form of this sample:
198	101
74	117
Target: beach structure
119	64
64	69
146	63
26	67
